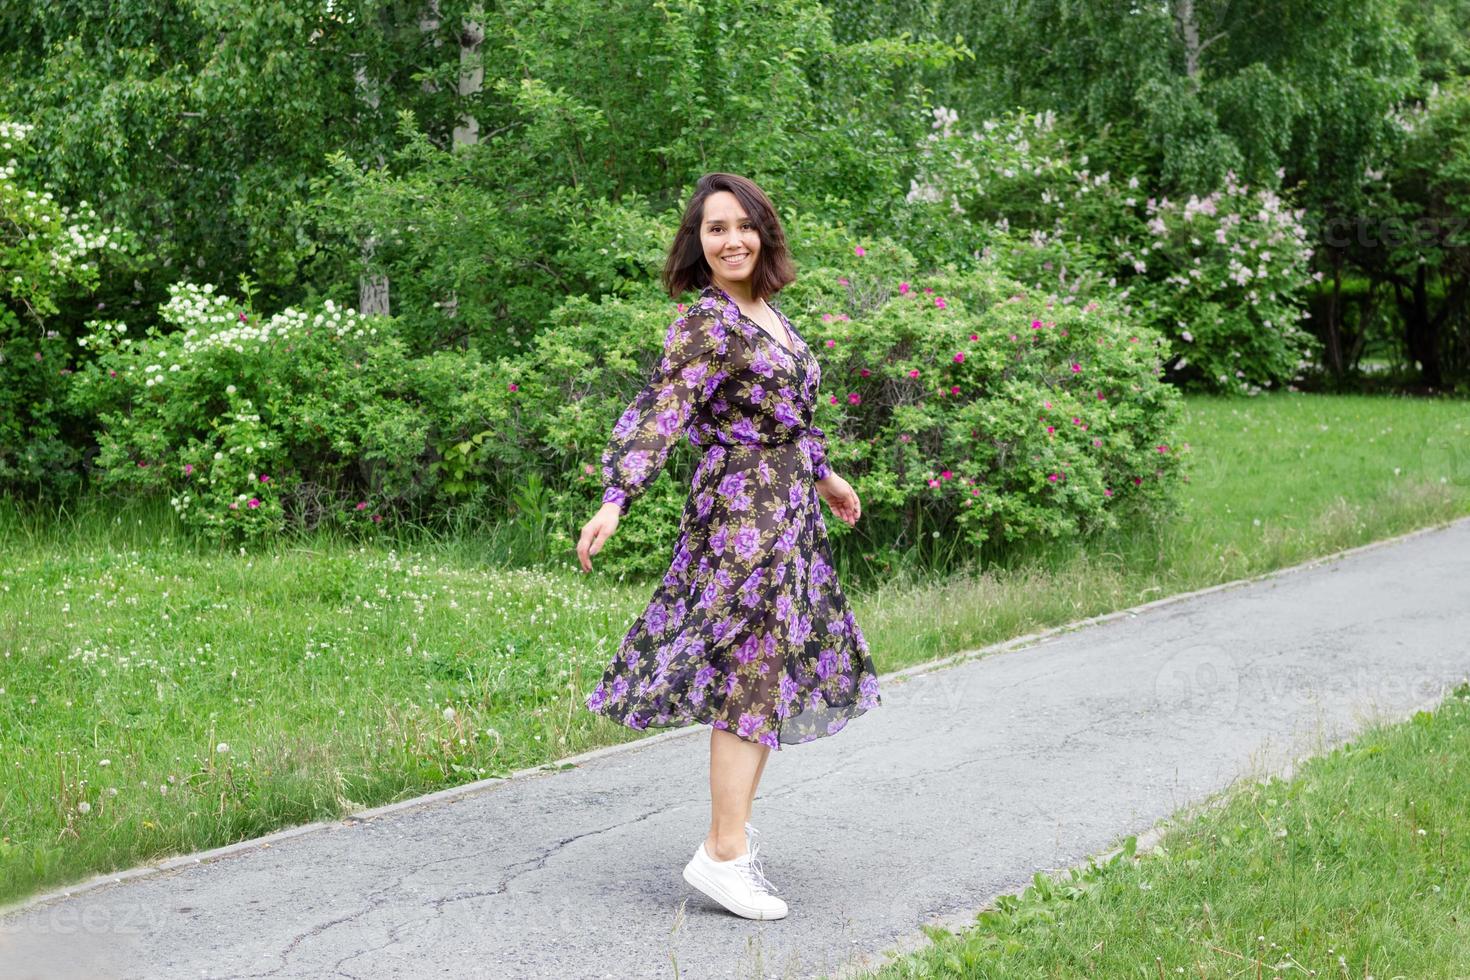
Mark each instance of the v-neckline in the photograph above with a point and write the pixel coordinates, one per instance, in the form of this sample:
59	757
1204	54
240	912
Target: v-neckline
790	351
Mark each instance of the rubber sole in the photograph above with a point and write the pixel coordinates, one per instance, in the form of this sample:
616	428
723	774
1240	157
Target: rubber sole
697	878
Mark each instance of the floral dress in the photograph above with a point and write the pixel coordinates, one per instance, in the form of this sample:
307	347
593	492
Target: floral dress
749	630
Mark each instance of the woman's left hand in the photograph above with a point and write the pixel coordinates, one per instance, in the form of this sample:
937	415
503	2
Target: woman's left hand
840	497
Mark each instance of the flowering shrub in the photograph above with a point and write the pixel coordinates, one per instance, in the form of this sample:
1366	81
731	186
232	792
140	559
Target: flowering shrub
961	404
249	423
47	250
1221	274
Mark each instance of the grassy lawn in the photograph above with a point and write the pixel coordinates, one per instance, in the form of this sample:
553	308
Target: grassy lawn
1353	868
156	700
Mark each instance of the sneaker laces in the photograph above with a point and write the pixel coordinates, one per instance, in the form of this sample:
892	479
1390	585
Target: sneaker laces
753	872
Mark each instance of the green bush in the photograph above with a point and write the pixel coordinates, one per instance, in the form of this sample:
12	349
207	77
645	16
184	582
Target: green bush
252	424
48	251
961	405
1220	274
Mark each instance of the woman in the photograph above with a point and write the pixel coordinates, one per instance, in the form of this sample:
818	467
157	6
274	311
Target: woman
748	632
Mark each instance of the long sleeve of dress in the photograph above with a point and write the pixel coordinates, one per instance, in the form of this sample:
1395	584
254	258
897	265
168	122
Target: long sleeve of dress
688	375
815	443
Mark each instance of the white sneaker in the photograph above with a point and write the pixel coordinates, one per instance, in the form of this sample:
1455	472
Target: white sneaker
739	885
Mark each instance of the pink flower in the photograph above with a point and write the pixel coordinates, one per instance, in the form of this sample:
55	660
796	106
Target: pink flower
1076	368
914	373
38	355
513	386
853	398
680	307
1107	492
959	358
864	372
1097	442
111	373
234	506
264	478
929	289
1014	337
904	437
954	389
1035	324
377	518
141	463
831	399
253	502
826	318
242	317
1162	449
1047	404
362	505
1076	420
1052	477
858	251
588	468
1099	396
939	302
842	280
1137	480
831	342
946	475
188	468
1050	429
934	483
903	288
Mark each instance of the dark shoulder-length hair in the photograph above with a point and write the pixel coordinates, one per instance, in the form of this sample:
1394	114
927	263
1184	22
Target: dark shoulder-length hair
686	268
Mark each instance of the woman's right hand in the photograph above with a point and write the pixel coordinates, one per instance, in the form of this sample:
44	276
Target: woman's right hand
595	532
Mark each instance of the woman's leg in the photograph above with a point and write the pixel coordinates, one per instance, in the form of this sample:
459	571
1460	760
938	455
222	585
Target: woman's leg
756	780
734	765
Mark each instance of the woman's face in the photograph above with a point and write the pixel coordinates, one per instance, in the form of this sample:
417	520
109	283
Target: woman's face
729	237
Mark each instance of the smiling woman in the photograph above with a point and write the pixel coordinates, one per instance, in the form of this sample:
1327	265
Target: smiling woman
749	631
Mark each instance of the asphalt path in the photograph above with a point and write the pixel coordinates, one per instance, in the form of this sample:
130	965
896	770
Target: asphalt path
1029	756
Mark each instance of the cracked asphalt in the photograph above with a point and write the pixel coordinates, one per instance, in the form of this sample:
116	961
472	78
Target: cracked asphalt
966	781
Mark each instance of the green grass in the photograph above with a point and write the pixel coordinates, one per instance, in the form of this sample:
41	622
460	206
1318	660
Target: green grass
192	699
1354	867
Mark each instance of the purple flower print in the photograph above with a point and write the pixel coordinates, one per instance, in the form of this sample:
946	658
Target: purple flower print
768	738
783	607
786	415
748	650
747	541
748	724
868	692
826	663
619	688
723	627
597	698
670	422
626	423
732	484
757	394
657	617
720	540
